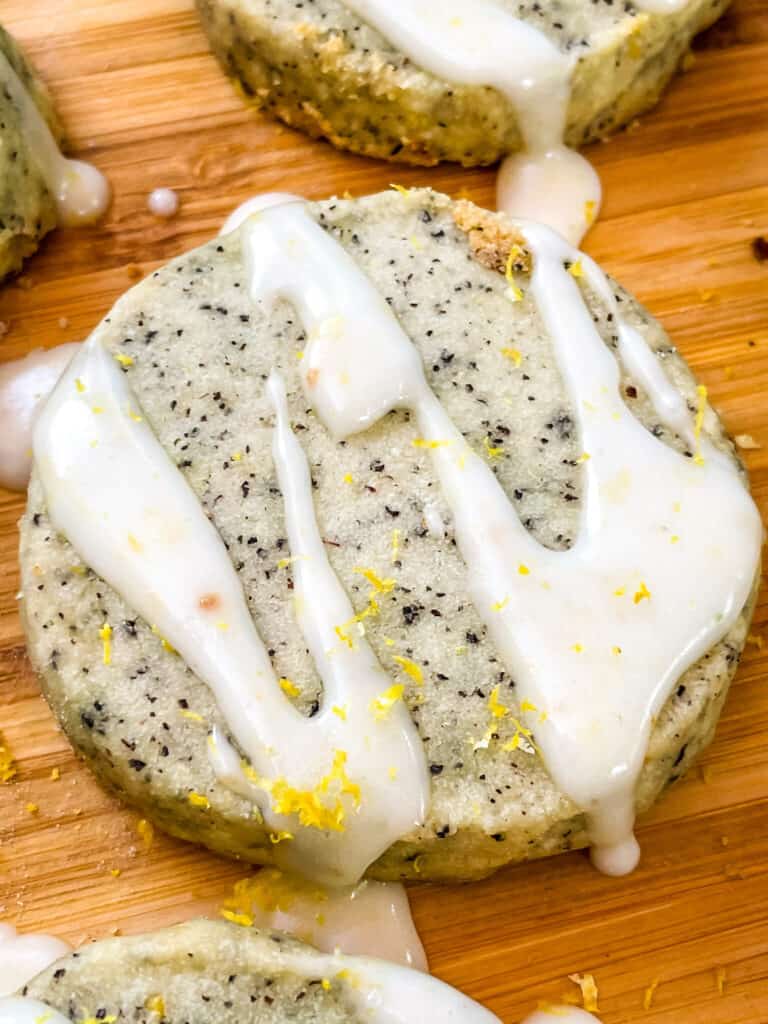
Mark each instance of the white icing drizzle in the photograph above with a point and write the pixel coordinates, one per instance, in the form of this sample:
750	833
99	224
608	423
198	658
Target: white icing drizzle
477	42
561	1015
595	637
81	191
22	957
369	919
24	385
163	203
113	491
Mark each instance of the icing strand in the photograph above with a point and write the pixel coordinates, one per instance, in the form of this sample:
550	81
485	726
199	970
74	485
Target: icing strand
129	513
594	637
81	191
477	42
22	957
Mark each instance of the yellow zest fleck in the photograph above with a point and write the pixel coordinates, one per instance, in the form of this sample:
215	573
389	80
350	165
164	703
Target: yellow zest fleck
576	269
498	605
32	808
268	890
584	457
493	453
115	872
299	355
528	706
55	774
193	716
133	543
650	992
578	648
399	188
123	359
497	709
395	544
344	637
720	976
514	294
620	592
410	668
616	650
105	635
43	1018
146	833
78	570
283	563
383	704
134	415
418	862
514	354
674	539
79	385
97	409
236	456
642	594
164	643
676	507
523	570
308	805
340	711
416	243
423	442
279	837
379	585
244	920
223	626
155	1004
198	800
392	772
99	1020
590	208
757	641
289	688
388	641
461	650
325	985
701	409
7	767
347	478
586	983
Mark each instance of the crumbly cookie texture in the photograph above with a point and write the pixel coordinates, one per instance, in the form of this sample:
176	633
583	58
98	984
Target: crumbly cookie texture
209	972
27	208
319	67
200	354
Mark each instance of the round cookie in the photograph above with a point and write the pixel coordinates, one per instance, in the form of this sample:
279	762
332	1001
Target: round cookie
213	971
198	357
319	67
27	208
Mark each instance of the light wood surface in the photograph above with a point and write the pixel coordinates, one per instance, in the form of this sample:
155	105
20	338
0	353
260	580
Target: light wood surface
687	192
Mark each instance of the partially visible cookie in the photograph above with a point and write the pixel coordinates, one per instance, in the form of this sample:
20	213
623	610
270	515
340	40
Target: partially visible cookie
27	208
319	67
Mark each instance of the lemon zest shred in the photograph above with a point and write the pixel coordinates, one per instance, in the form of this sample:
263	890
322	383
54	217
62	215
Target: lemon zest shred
523	570
123	359
514	354
340	710
279	837
105	635
347	478
198	800
379	585
576	269
395	544
32	808
589	993
590	208
155	1004
410	668
79	385
578	648
424	442
54	776
492	452
399	188
146	832
193	716
650	992
497	606
382	705
641	594
289	688
8	768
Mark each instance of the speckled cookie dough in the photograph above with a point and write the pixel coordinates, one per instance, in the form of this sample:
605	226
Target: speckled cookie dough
27	208
318	67
198	355
209	972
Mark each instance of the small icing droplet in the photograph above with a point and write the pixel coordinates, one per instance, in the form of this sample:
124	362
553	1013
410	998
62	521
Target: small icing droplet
163	203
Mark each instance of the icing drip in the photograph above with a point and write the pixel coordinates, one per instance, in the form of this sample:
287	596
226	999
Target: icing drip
163	203
561	1015
361	782
597	636
81	192
24	385
370	919
477	42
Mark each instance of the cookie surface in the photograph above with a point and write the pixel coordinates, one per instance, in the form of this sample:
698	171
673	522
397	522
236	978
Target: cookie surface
199	354
27	208
321	68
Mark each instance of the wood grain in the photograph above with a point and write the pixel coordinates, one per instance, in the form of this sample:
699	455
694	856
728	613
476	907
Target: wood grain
686	194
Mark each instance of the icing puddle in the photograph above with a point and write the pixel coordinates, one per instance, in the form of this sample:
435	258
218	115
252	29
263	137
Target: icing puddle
477	42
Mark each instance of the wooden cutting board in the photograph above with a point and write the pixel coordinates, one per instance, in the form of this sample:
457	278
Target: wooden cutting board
687	193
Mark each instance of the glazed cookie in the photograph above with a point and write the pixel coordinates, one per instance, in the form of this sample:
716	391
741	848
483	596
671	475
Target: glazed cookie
213	971
39	188
464	80
386	535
